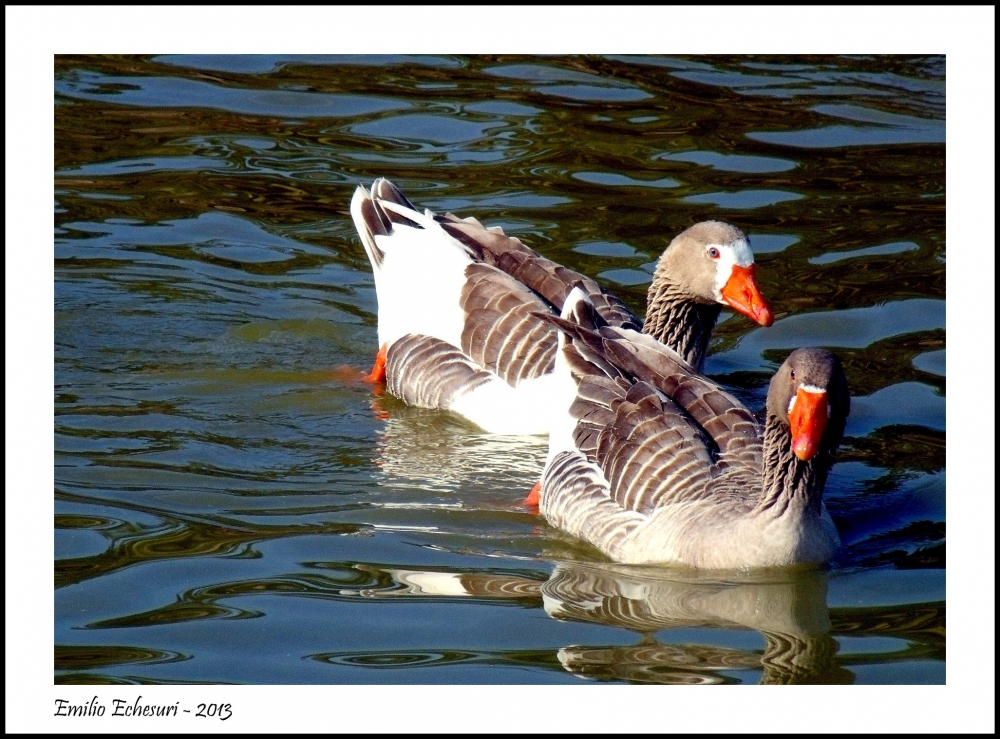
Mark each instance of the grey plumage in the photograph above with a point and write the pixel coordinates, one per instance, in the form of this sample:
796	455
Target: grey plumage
669	467
430	373
551	281
681	323
507	285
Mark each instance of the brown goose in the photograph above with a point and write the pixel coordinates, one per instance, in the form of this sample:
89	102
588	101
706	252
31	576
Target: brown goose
653	462
458	304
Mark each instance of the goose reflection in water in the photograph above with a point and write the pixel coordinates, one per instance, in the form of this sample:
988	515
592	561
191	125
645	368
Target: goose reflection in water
438	451
421	450
788	609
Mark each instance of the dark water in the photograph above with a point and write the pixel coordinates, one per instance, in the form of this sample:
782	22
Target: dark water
228	508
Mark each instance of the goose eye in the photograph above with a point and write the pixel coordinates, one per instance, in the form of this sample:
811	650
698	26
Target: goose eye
713	252
793	374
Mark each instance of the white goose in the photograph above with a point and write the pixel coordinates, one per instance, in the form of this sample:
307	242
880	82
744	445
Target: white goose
652	462
458	306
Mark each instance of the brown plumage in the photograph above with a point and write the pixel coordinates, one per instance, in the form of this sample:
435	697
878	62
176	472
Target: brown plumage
436	372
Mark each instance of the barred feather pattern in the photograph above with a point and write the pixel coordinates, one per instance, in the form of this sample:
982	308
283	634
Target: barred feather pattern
730	430
502	332
649	452
682	462
507	286
550	280
581	506
650	455
674	319
430	373
606	362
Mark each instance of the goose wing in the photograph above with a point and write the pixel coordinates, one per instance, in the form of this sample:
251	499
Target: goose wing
731	429
646	445
430	373
551	281
502	331
635	450
456	298
505	288
648	449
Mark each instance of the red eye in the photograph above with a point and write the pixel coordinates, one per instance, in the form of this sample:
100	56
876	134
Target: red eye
713	252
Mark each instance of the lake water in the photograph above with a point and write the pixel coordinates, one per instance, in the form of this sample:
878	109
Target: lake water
229	508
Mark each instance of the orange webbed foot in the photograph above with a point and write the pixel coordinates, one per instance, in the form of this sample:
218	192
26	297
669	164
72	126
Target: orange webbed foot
534	497
377	374
350	375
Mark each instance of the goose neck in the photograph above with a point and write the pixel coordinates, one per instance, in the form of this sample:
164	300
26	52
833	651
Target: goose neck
676	319
790	484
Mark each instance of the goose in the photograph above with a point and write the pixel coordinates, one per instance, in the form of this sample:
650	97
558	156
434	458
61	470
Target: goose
653	463
458	307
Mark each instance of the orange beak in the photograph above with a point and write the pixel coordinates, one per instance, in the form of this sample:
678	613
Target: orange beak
742	293
808	420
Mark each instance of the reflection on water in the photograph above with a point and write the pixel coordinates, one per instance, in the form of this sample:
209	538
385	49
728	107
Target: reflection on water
439	452
788	609
231	506
789	612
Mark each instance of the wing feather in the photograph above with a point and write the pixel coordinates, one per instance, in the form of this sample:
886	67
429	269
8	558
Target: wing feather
502	331
735	437
549	280
575	499
430	373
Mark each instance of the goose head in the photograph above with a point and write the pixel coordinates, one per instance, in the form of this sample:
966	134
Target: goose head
809	395
712	263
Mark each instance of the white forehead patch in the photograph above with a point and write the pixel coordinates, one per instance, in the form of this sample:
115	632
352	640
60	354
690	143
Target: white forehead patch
809	389
734	253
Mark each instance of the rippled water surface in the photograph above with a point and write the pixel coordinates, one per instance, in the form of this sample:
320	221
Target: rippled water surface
231	507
